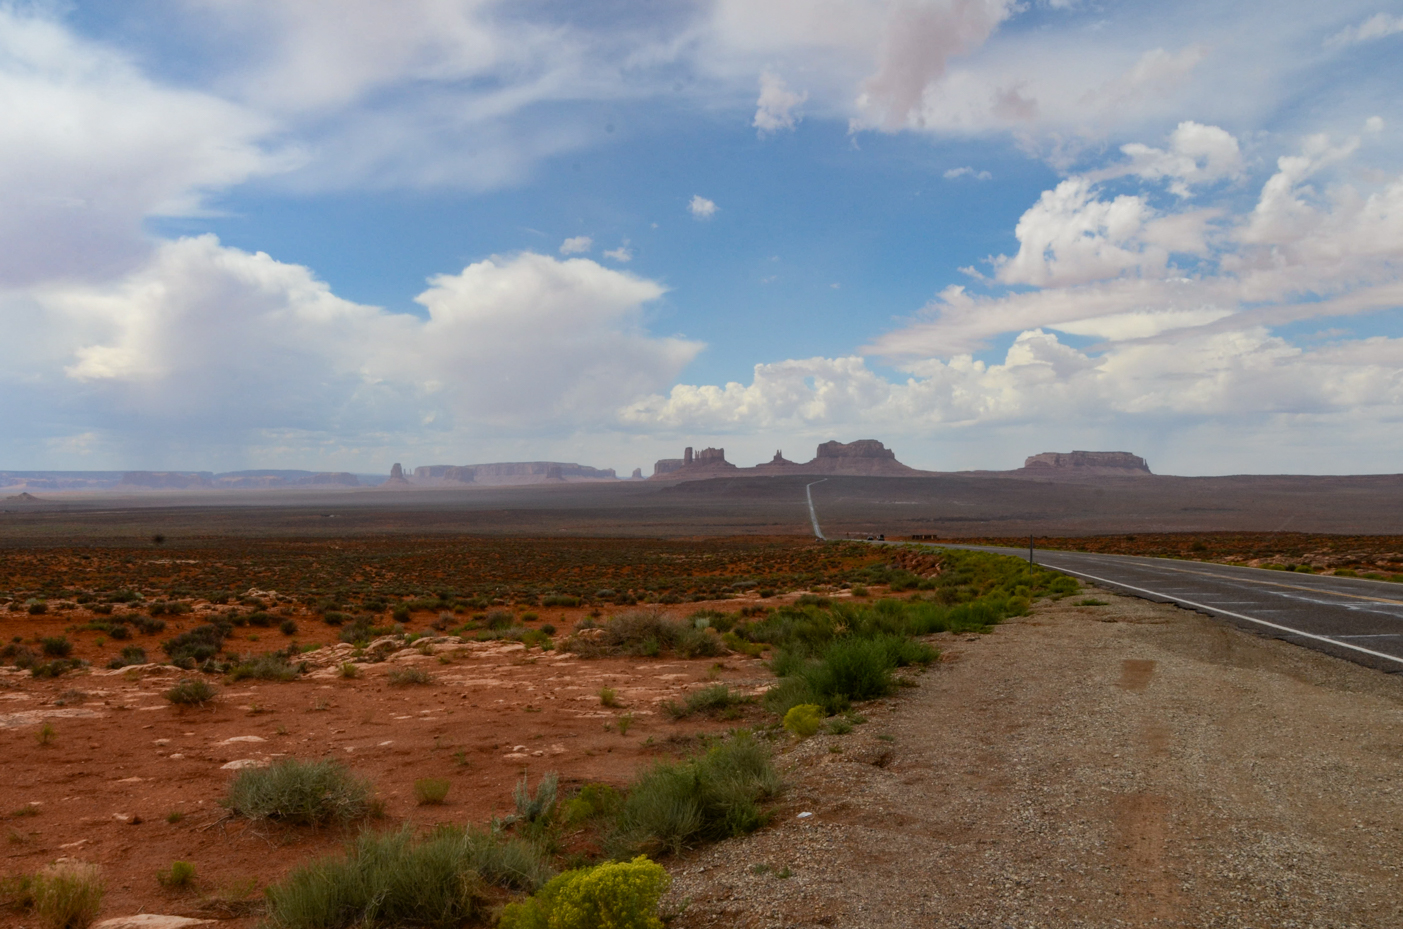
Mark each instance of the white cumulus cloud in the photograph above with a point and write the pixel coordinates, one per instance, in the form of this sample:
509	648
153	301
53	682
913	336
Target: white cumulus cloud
206	340
576	245
701	208
774	110
956	173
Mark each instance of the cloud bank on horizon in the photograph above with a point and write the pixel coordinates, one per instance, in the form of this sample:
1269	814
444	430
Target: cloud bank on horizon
1176	230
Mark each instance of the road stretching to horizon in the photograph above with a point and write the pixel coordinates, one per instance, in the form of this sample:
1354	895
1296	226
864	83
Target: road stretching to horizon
1352	618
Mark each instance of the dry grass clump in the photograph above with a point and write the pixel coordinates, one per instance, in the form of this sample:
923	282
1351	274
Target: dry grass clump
190	693
431	791
67	896
409	677
301	792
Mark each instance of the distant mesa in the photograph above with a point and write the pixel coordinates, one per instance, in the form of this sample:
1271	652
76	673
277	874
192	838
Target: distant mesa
23	498
396	476
509	473
637	474
863	457
166	480
1085	463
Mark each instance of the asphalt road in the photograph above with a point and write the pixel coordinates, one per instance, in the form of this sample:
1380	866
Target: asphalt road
1351	618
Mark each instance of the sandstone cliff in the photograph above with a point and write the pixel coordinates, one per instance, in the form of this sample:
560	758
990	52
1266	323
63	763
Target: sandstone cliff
1089	464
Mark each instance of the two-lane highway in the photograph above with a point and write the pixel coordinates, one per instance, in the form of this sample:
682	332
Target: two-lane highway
1352	618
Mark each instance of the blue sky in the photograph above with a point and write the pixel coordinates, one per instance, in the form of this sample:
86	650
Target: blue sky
338	235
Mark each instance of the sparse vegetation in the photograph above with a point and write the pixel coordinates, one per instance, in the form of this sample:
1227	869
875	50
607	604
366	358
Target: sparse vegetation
191	693
409	677
392	879
608	697
67	895
309	793
677	805
45	734
270	666
648	633
431	791
714	699
179	876
56	646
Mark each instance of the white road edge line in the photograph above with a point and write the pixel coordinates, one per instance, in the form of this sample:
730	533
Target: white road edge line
1250	619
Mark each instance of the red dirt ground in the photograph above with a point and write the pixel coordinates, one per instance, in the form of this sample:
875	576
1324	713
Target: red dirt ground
122	759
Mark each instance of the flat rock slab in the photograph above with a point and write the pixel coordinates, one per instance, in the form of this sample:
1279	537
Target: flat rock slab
151	921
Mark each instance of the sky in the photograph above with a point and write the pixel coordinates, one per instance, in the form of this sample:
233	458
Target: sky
338	234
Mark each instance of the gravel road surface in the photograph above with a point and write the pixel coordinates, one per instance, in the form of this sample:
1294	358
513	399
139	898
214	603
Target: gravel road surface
1119	765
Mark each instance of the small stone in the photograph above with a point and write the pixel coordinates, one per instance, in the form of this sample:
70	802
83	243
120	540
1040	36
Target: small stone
239	764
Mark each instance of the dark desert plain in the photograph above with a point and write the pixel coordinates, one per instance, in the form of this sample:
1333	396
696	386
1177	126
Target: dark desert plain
1076	758
985	505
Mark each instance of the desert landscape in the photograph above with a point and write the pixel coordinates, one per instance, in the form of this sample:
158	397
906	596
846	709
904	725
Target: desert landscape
1040	753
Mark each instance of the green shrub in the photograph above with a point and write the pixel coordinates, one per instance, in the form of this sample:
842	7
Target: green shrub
180	875
560	600
714	796
431	790
199	644
592	802
55	668
190	693
803	720
288	627
391	879
146	625
613	895
301	792
384	880
407	677
56	646
37	607
68	895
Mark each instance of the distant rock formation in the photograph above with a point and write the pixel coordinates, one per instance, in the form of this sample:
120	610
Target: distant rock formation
329	478
510	472
397	478
637	474
166	480
863	457
706	463
1086	463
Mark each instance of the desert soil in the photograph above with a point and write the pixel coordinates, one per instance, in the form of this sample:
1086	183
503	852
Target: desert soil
1129	764
1123	765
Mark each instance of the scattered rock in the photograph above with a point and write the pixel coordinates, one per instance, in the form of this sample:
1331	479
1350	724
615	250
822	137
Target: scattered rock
239	764
151	921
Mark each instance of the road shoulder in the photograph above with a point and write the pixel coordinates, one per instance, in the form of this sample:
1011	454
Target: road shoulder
1127	764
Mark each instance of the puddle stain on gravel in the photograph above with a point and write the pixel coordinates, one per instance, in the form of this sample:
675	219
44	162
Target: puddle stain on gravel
1135	674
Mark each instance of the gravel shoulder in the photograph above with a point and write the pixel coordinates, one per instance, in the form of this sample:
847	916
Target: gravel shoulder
1131	764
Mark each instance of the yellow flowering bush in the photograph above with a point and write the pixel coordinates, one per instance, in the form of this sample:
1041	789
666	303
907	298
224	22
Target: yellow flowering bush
615	895
803	720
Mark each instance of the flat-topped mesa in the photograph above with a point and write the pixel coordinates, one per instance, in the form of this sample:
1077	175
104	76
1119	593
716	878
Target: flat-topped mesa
167	480
1109	463
862	448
